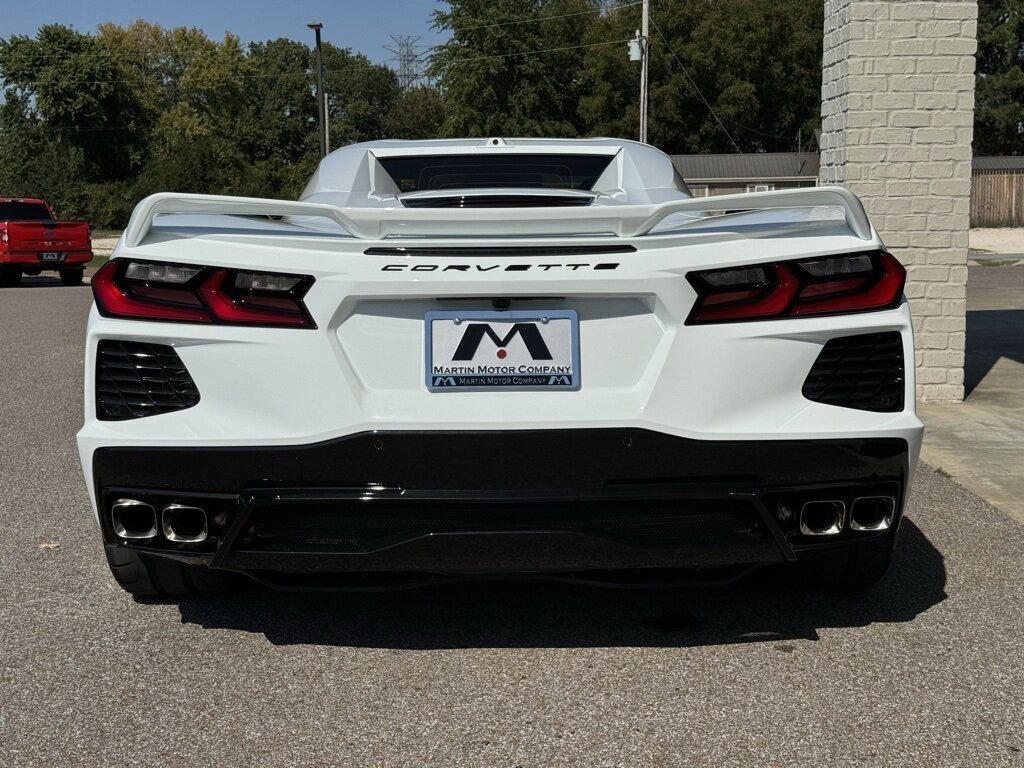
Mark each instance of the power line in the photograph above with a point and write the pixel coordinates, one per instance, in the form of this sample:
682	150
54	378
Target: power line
754	130
542	18
540	50
133	58
700	95
356	67
737	123
143	81
76	128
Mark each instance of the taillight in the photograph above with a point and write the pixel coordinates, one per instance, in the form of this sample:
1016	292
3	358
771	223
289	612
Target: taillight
821	286
193	294
4	237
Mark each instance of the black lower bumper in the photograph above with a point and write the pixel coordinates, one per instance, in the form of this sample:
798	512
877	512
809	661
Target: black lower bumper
498	502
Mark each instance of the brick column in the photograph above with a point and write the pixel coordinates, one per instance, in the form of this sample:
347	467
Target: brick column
898	112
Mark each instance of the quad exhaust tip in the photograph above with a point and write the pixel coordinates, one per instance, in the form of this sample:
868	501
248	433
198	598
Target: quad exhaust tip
184	523
822	518
872	513
133	519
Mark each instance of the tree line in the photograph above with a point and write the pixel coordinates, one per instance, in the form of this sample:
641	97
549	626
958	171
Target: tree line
94	122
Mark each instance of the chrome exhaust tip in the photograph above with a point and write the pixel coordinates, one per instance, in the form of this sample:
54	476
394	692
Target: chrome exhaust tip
184	524
872	513
133	519
822	518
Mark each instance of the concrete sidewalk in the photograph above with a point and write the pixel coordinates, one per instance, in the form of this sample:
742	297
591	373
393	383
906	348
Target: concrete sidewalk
1002	246
980	442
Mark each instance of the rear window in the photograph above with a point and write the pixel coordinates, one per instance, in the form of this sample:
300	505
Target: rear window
16	211
420	174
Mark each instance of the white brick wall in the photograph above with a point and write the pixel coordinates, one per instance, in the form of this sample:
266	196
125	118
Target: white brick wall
897	115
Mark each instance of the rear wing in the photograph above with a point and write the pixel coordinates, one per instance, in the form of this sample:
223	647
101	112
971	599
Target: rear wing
627	220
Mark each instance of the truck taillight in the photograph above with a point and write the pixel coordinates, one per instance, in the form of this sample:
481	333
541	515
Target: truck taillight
828	285
187	293
4	238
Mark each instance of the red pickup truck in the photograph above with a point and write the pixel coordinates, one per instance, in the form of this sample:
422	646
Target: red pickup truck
31	240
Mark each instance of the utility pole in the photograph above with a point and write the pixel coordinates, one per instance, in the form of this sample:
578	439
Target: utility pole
321	97
639	50
645	47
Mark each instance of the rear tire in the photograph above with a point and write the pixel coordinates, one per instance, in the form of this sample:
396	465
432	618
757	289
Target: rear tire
148	576
71	276
854	567
10	276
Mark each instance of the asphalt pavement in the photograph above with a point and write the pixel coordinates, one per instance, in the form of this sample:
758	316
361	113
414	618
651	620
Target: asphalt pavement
926	669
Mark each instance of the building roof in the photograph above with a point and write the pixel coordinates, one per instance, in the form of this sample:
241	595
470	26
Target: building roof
999	163
759	166
766	166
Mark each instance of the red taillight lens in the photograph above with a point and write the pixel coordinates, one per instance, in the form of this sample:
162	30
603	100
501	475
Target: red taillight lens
878	285
117	297
824	286
232	304
193	294
769	295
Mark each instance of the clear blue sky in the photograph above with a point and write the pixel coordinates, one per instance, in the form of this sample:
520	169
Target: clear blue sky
362	25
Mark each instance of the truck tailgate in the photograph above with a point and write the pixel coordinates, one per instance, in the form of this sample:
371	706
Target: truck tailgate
48	236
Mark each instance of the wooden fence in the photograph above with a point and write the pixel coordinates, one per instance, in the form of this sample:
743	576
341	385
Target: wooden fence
997	198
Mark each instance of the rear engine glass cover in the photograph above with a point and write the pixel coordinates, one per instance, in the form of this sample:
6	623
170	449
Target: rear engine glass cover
424	173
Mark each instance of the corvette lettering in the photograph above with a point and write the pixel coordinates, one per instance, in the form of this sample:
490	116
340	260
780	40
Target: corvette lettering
493	267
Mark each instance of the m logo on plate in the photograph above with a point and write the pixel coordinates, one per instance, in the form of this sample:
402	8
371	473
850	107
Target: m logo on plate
527	332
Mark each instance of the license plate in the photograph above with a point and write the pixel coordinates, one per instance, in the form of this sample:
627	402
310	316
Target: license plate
487	350
51	256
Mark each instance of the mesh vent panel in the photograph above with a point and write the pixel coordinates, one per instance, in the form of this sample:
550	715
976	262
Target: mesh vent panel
135	380
864	372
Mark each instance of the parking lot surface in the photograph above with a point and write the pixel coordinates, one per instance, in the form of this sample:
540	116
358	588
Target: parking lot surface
927	669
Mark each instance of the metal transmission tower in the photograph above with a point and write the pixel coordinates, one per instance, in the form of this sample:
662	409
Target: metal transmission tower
407	58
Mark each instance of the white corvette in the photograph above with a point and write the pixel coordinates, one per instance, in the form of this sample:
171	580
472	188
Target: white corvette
494	357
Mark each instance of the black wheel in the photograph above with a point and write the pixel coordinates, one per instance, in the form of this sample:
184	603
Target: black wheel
148	576
71	276
10	276
853	567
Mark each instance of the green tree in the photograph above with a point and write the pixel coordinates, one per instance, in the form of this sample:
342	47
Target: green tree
359	95
276	129
512	67
417	113
71	83
194	145
999	98
36	161
757	63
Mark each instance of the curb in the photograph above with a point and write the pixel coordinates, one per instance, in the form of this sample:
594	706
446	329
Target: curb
995	262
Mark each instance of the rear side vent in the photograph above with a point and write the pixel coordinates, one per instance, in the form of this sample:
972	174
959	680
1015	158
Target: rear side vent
135	380
864	372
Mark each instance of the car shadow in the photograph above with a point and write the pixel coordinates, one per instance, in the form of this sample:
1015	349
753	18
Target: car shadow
991	334
537	614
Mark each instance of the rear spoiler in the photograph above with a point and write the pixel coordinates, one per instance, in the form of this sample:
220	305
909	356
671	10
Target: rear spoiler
379	223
